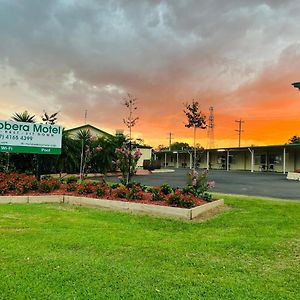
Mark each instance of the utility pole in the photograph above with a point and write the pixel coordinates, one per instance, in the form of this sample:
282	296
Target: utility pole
210	129
170	139
240	121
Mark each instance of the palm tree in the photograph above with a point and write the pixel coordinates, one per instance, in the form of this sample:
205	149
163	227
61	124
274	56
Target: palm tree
85	137
68	161
22	161
23	117
49	119
104	153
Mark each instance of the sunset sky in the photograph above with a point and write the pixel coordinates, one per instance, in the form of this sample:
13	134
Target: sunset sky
238	56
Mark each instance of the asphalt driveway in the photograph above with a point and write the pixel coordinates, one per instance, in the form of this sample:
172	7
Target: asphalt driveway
273	185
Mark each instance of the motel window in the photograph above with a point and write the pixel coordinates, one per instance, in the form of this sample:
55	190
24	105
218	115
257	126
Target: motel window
260	159
275	159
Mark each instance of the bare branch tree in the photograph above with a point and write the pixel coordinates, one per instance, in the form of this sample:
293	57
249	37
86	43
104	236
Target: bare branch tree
130	103
195	119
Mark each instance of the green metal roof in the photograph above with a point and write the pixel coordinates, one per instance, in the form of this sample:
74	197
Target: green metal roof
296	146
88	126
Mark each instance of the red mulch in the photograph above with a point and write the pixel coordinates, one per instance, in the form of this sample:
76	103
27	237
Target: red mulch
62	191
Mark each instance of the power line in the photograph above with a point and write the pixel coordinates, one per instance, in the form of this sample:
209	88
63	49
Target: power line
240	121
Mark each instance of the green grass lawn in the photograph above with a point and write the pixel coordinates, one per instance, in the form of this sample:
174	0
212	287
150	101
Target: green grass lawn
62	252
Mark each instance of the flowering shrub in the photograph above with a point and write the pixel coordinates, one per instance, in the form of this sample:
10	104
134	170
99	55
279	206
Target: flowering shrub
3	188
86	187
157	195
187	197
21	183
102	189
127	161
49	184
121	192
181	200
197	183
26	184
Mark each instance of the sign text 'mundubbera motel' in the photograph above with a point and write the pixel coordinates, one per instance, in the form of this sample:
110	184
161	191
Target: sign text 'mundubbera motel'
23	137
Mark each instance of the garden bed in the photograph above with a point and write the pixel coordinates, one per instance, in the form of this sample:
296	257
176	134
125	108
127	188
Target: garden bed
174	212
163	200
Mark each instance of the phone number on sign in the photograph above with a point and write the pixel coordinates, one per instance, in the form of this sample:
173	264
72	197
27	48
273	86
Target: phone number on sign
15	137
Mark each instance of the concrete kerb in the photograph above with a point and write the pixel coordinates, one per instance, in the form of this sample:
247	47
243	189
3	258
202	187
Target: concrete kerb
13	199
174	212
46	199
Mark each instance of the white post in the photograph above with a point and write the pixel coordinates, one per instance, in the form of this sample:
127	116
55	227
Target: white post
207	160
191	160
227	160
284	163
252	160
165	160
177	160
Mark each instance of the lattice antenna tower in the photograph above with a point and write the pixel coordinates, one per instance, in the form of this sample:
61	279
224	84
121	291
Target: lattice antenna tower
210	129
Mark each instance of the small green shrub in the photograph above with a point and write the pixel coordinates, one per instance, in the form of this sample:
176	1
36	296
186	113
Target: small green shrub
71	187
114	185
166	189
181	200
207	197
100	191
157	195
134	194
49	184
70	179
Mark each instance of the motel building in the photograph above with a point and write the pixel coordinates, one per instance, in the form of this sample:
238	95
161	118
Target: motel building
275	158
146	151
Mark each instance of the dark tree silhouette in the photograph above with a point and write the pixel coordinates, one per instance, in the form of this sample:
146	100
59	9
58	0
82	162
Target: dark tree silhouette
195	119
294	139
49	119
23	117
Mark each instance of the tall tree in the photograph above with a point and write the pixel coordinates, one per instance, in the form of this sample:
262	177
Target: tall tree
294	139
22	161
49	119
130	121
176	146
68	161
195	119
85	138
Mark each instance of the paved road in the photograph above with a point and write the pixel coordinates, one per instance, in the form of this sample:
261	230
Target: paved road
234	182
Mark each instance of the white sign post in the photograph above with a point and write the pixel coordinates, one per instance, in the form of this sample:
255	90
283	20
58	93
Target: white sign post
23	137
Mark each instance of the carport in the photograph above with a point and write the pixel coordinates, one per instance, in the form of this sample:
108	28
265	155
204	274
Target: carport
275	158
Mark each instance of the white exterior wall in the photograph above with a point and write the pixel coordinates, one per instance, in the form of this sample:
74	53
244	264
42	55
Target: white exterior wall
146	154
